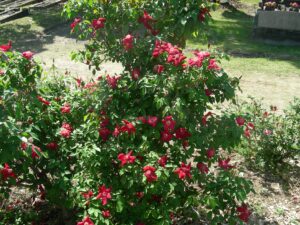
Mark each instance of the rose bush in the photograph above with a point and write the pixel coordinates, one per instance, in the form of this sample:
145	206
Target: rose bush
271	138
140	147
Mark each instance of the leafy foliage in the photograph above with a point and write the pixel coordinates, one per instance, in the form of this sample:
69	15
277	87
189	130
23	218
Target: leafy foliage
140	147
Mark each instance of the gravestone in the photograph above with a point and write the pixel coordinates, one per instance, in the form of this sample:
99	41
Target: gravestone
277	24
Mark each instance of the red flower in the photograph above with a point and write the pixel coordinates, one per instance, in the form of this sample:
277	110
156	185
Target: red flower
205	117
104	122
86	221
126	158
7	172
152	121
42	100
135	74
1	72
24	145
34	150
267	132
65	133
140	194
112	81
185	144
66	130
175	56
78	81
250	126
184	171
244	213
104	194
66	108
247	132
203	168
165	136
212	65
159	69
104	133
128	127
74	23
207	92
224	164
182	133
67	126
266	114
146	19
52	146
149	172
98	23
169	123
127	42
6	48
116	131
210	153
106	213
28	55
163	161
88	195
160	48
202	14
240	121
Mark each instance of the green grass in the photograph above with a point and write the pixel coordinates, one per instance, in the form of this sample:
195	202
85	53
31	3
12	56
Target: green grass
231	31
30	27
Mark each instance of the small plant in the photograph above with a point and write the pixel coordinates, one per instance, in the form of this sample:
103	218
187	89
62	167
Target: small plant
271	5
270	138
295	6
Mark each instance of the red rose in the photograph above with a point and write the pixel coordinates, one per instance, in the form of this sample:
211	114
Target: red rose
244	213
213	65
126	158
182	133
149	172
159	69
210	153
104	194
203	168
66	108
224	164
52	146
86	221
163	161
152	121
184	171
74	23
127	42
98	23
28	55
240	121
135	74
42	100
7	172
169	123
106	213
6	48
166	136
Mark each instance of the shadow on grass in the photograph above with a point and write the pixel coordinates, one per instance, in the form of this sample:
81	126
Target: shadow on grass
35	31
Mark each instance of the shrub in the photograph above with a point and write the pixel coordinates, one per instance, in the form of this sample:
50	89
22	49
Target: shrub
274	138
140	147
